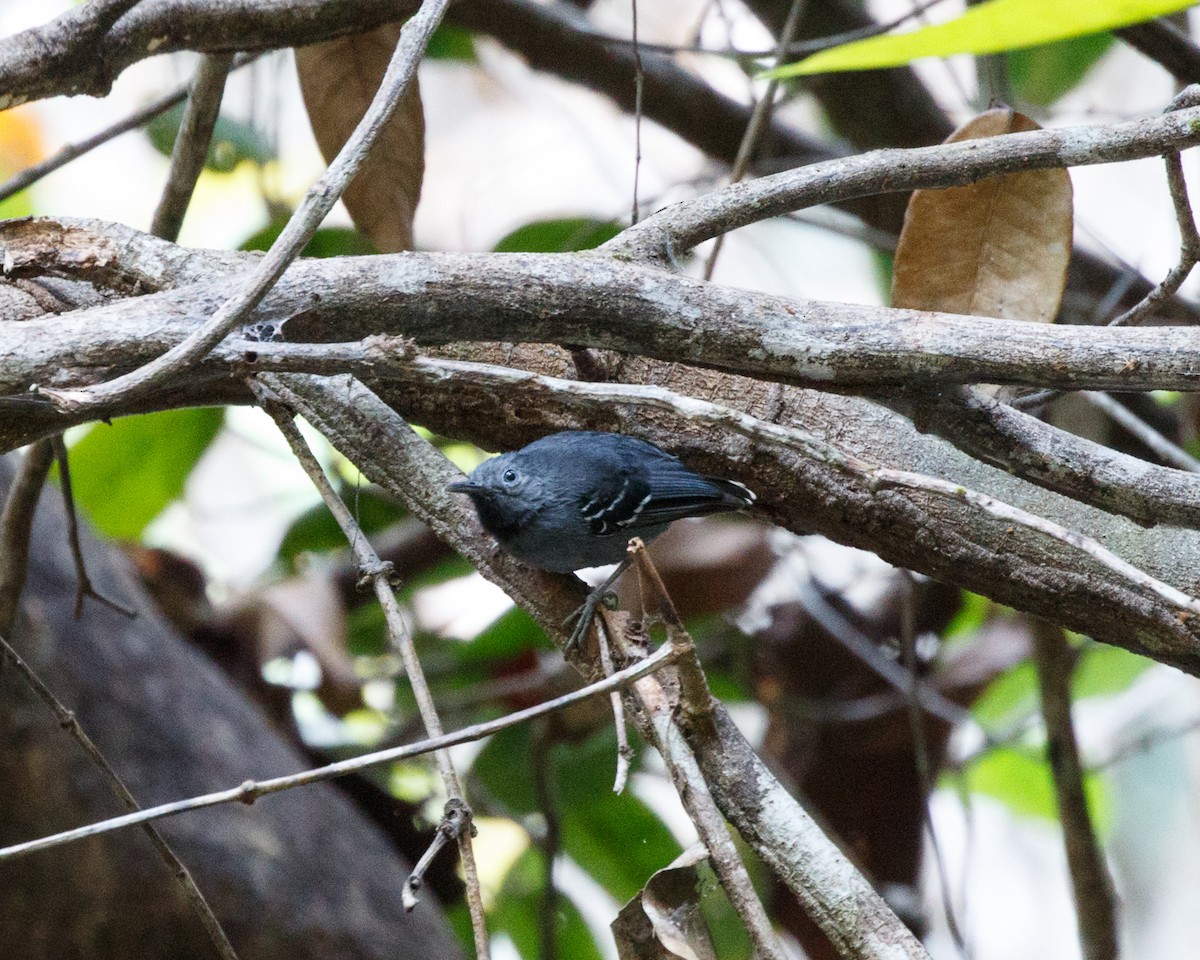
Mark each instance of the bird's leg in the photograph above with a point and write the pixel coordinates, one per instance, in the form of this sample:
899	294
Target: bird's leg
584	615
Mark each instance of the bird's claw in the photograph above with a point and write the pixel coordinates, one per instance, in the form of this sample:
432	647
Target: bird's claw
584	615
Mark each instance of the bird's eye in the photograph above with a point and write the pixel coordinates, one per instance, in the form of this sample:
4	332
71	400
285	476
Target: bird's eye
509	476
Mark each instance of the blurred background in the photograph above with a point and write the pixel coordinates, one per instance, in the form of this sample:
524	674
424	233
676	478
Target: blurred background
952	812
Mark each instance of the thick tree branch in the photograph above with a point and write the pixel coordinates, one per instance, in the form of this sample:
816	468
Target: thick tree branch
533	293
84	50
1076	467
580	300
923	530
685	224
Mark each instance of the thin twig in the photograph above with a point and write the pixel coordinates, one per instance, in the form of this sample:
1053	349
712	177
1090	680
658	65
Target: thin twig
759	121
84	589
191	143
695	706
860	646
456	820
176	867
924	763
1146	741
639	84
268	389
1120	414
73	151
16	529
1189	238
251	790
624	751
1095	905
317	203
834	893
797	48
949	164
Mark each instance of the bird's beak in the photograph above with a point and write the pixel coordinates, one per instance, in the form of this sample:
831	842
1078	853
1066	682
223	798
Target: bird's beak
464	486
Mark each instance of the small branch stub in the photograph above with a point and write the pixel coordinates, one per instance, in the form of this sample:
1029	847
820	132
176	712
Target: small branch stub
456	821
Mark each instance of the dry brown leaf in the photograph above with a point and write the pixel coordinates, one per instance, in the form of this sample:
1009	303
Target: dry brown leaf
339	78
664	921
996	248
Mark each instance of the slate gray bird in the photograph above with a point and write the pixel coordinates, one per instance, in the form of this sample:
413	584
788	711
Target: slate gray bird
574	499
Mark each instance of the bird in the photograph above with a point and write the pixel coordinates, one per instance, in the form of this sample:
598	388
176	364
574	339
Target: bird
574	499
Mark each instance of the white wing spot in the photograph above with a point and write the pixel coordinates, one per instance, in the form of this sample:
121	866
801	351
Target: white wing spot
597	514
636	511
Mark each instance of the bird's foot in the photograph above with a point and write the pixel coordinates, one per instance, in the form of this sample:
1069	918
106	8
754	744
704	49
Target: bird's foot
583	616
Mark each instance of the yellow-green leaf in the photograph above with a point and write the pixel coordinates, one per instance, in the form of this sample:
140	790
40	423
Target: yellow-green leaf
987	28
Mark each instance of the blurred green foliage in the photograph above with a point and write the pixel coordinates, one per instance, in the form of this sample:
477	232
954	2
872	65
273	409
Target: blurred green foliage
124	474
316	531
232	142
614	837
326	242
516	914
451	43
1040	75
1020	778
559	236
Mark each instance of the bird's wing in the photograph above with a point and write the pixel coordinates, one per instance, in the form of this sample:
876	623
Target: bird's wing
635	501
616	502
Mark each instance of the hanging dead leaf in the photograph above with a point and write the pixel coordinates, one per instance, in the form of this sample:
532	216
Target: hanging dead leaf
996	248
664	921
339	78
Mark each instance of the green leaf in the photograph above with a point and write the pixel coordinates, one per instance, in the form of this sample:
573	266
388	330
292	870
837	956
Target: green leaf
451	43
18	205
1021	780
616	838
516	914
123	475
559	236
326	242
513	633
232	141
1041	75
1105	670
315	531
1009	698
971	616
991	27
366	631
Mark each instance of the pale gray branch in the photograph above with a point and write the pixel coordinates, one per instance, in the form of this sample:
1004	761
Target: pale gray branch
690	222
1076	467
191	143
580	300
270	391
